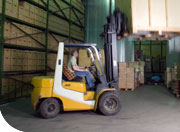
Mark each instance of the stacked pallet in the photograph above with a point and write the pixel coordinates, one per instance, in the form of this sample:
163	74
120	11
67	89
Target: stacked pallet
139	68
16	86
13	35
172	79
122	75
176	87
172	74
128	77
168	77
84	55
52	61
26	12
64	26
18	60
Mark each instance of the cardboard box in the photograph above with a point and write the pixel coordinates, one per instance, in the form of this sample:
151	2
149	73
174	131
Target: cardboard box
122	83
137	77
130	76
130	73
6	67
122	75
141	77
123	65
130	85
122	70
142	63
168	69
130	70
130	80
7	53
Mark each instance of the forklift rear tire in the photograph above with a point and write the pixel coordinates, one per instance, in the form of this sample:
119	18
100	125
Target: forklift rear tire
49	108
109	104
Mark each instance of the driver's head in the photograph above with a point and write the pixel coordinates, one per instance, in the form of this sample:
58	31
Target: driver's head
75	53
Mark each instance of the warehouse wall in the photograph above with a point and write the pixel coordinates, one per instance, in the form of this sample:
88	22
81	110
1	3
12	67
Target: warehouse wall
125	50
96	13
173	51
25	40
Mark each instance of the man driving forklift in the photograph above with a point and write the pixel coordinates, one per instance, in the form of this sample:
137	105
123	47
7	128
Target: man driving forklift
52	95
80	71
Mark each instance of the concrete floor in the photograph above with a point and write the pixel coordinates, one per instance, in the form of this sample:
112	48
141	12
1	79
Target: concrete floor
147	109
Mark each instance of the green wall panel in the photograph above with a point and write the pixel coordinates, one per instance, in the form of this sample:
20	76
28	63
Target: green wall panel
96	13
125	50
173	51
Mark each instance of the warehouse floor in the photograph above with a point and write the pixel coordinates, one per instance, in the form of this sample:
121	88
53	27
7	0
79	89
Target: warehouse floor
147	109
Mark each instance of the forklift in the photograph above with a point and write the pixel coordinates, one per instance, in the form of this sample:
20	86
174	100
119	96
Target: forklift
53	95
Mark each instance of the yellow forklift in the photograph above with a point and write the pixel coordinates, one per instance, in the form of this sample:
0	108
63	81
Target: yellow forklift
52	95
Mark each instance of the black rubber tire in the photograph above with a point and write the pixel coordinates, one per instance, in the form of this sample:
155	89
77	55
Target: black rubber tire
49	108
103	102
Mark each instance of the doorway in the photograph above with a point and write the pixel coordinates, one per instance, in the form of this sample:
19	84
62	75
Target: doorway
153	53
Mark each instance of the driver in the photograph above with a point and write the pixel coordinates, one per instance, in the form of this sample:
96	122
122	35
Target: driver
79	71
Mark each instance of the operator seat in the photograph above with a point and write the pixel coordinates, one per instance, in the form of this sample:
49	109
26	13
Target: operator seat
70	76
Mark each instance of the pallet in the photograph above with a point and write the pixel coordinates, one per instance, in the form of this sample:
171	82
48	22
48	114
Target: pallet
126	89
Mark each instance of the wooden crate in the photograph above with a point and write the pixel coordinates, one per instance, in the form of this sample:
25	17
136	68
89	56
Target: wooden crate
151	15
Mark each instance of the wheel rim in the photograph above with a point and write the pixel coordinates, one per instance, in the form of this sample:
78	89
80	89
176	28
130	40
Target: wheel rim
51	108
110	104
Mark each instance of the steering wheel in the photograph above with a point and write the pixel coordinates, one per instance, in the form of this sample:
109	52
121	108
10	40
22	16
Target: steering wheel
94	71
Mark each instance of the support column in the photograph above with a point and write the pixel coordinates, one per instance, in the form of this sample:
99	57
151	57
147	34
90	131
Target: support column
46	37
70	11
2	19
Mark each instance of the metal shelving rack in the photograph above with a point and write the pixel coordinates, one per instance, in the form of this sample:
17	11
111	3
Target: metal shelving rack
46	30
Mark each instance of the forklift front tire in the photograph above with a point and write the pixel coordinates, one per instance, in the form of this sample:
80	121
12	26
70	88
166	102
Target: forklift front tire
49	108
109	104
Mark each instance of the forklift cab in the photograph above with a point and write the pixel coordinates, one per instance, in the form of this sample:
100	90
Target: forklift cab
70	76
78	86
53	95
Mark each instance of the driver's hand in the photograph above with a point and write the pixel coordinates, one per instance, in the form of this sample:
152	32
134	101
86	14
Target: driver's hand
86	70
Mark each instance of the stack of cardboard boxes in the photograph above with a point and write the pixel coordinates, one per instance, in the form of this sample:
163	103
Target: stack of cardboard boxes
16	85
172	77
176	87
62	26
122	75
14	35
172	74
139	68
131	74
18	60
26	12
168	77
84	59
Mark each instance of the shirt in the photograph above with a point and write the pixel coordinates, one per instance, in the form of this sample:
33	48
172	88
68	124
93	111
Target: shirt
72	62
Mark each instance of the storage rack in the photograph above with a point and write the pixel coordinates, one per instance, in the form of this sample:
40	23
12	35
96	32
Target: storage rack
61	15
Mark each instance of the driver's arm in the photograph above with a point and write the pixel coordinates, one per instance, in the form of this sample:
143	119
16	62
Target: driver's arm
77	68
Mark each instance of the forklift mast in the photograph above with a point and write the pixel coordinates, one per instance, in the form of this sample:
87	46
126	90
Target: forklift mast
113	28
